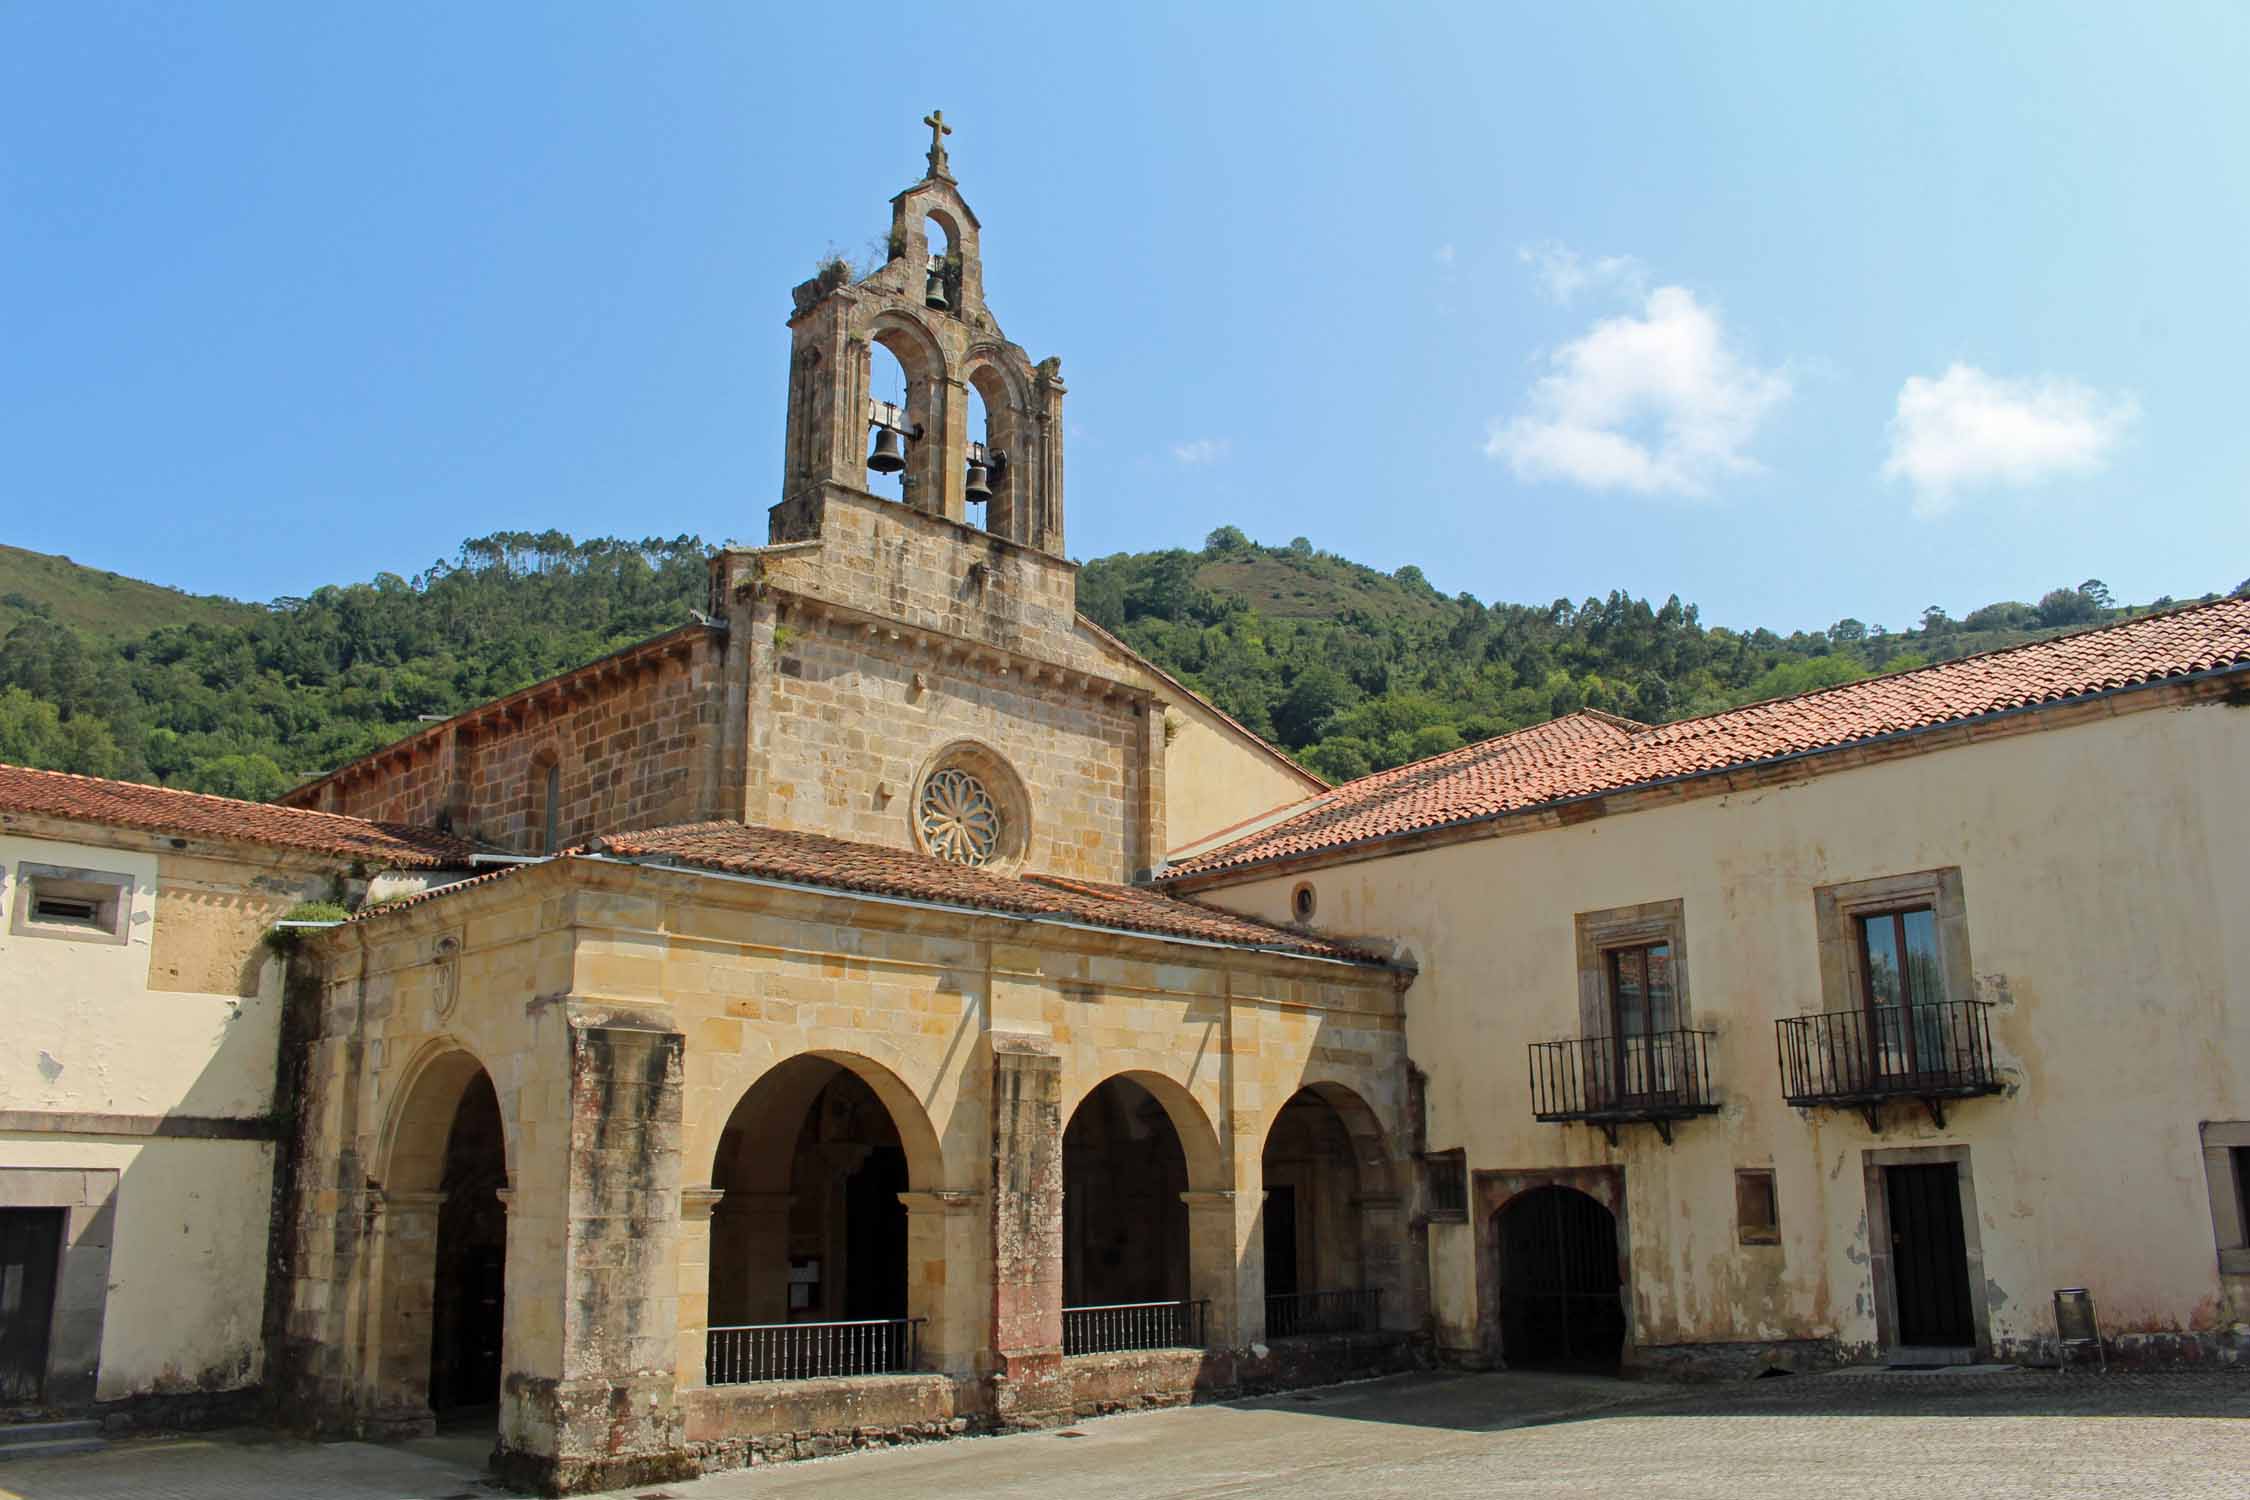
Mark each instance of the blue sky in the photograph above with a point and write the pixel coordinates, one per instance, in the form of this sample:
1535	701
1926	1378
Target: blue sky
1795	311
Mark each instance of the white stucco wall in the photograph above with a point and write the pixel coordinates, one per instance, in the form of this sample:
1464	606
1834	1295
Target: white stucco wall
2105	869
90	1037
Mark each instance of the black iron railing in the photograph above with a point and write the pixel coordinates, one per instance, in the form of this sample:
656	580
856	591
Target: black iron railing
1136	1325
808	1351
1862	1056
1659	1076
1296	1315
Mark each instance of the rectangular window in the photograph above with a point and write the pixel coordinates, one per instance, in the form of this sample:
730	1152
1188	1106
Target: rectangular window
1446	1180
2241	1155
88	905
1757	1213
2226	1173
1909	1029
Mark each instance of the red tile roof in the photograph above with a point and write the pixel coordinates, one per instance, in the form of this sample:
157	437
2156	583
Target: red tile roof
129	804
815	860
1587	754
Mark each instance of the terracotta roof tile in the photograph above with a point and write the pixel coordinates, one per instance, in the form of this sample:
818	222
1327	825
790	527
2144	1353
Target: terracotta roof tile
130	804
812	859
1586	754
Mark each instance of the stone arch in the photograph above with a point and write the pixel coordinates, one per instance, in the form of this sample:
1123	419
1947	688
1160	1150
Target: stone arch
1329	1223
420	1158
814	1171
1007	440
1199	1140
1559	1269
928	399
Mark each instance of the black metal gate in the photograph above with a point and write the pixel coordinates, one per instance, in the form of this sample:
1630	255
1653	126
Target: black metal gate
1559	1282
1929	1256
30	1257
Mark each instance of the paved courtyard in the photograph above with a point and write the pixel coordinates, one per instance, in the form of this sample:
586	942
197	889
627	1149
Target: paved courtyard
1998	1434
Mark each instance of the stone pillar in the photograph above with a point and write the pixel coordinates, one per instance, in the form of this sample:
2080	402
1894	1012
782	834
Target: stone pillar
405	1285
1029	1388
942	1234
696	1204
750	1258
1382	1257
1212	1237
613	1418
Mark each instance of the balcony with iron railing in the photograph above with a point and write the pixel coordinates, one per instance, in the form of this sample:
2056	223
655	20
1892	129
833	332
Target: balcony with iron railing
744	1353
1299	1315
1655	1078
1118	1327
1857	1059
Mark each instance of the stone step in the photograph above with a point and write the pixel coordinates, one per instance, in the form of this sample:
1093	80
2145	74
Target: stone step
16	1452
18	1433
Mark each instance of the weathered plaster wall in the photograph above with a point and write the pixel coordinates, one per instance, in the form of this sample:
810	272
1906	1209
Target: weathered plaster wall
2102	864
153	1059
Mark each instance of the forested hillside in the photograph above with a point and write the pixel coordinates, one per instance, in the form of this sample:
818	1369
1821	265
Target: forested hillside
1351	669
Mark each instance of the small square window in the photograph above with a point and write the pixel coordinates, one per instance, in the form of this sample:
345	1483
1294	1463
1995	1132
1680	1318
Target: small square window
87	905
1757	1213
1445	1178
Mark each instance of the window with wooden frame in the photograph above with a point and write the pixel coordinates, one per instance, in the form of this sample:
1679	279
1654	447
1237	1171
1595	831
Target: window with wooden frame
1632	997
1757	1211
1445	1178
1898	1011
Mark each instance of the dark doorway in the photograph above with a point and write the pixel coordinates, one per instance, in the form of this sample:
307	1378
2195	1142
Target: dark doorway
1559	1282
1281	1242
30	1256
875	1236
1929	1256
472	1257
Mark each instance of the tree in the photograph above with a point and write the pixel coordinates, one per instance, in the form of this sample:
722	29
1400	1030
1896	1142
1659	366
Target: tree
1300	546
2065	607
1227	540
1848	630
1339	760
1318	694
1934	621
2097	592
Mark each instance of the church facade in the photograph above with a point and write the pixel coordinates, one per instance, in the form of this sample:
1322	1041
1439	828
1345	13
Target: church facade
815	1066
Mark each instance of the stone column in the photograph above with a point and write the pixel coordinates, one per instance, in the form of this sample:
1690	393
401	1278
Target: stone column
750	1258
696	1204
942	1234
613	1417
1029	1388
405	1286
1212	1237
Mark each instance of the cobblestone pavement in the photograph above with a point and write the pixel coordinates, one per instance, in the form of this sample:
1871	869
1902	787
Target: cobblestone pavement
2007	1435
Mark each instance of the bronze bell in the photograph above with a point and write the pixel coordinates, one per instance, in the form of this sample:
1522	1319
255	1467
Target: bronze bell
889	456
979	489
933	290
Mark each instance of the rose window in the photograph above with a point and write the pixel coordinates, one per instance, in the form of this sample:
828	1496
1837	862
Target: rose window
960	821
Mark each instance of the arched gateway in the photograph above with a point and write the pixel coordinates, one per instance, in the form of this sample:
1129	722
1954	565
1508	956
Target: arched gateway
1560	1303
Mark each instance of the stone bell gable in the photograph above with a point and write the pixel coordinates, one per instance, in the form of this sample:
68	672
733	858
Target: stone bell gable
899	672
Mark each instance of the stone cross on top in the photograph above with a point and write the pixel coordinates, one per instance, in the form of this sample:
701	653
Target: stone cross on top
939	130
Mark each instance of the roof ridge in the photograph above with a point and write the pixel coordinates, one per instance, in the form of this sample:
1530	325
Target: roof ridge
1952	662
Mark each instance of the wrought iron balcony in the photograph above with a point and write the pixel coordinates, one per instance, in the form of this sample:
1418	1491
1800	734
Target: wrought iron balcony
1297	1315
1859	1058
809	1351
1135	1325
1654	1078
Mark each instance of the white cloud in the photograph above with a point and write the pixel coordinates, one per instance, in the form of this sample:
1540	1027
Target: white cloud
1201	450
1657	404
1564	273
1967	429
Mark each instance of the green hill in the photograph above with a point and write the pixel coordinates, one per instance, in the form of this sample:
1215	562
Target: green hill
1351	669
100	605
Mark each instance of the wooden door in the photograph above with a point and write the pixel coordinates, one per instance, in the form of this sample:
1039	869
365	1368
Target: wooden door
1929	1256
1559	1282
30	1258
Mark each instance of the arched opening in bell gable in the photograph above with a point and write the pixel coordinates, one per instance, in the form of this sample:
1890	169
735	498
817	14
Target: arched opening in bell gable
809	1240
941	282
888	427
996	456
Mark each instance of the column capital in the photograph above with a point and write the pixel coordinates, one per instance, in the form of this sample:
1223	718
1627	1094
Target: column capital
384	1201
1209	1199
697	1202
507	1197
